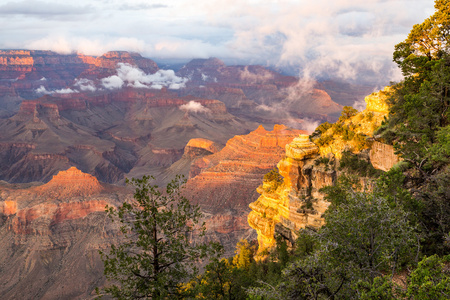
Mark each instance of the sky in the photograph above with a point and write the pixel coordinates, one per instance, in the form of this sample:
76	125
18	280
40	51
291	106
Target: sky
345	39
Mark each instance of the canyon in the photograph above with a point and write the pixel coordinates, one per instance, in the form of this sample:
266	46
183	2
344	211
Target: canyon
74	127
48	230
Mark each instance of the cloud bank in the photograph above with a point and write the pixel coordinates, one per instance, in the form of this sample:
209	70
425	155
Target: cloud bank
345	39
43	91
134	77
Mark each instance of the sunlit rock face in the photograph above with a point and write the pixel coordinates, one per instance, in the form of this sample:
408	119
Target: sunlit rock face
365	122
228	178
72	182
383	156
296	202
198	147
376	102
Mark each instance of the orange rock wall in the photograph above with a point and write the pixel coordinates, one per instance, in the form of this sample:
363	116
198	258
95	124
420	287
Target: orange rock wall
72	182
285	210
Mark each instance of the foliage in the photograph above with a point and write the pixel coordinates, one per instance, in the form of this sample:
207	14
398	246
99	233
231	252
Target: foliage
364	237
244	254
325	134
156	255
416	117
431	279
215	282
418	123
427	42
227	278
274	180
382	288
347	113
322	160
322	128
353	164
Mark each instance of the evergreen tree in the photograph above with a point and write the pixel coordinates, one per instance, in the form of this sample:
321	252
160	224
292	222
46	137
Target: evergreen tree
157	255
418	125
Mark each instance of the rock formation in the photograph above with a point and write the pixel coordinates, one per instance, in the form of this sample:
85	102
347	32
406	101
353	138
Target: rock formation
71	183
285	207
257	93
294	202
51	235
201	147
124	133
383	156
361	125
224	180
224	183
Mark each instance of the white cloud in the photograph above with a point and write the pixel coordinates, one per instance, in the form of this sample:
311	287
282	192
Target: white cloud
195	107
309	125
62	44
54	43
261	77
135	77
85	85
264	107
43	9
42	90
138	84
112	82
65	91
347	39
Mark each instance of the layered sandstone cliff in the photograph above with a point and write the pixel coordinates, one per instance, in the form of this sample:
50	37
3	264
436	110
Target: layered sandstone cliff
71	182
117	134
51	235
285	207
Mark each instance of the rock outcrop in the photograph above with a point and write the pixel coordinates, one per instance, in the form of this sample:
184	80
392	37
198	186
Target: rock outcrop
285	207
228	178
382	156
200	147
51	235
71	183
352	133
123	133
294	202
